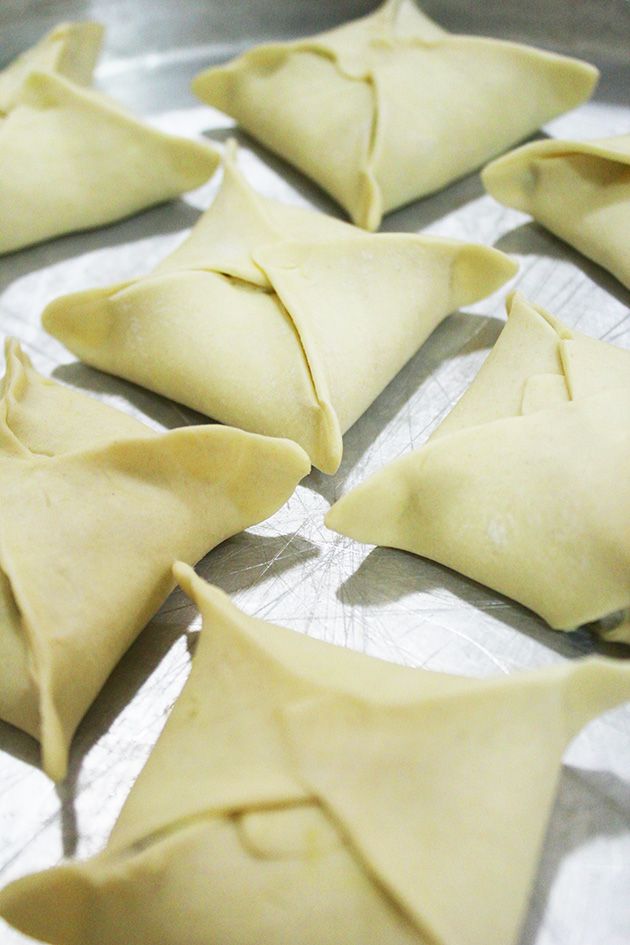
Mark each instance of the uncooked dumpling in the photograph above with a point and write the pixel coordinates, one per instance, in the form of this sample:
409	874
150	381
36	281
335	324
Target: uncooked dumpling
95	509
277	319
69	158
580	190
303	793
390	107
524	487
70	50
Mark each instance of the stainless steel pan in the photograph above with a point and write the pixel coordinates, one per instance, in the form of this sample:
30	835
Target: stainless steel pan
291	570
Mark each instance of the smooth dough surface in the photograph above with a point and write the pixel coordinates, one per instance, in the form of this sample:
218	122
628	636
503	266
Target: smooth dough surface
390	107
579	190
277	319
70	50
301	792
70	159
523	487
95	508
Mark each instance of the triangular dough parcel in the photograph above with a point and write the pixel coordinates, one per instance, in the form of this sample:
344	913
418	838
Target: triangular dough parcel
277	319
69	50
305	793
95	509
69	158
391	107
524	487
580	190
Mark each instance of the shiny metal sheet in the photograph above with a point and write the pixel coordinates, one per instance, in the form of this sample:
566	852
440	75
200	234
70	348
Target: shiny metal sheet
290	569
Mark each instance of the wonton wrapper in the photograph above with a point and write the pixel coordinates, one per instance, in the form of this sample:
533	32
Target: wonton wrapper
303	793
277	319
95	509
524	487
390	107
578	190
69	158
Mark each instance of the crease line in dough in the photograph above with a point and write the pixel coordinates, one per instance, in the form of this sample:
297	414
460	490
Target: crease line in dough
50	735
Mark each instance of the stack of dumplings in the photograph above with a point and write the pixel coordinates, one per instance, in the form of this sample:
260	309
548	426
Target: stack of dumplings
301	793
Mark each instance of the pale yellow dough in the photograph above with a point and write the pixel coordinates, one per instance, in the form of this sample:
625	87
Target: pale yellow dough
70	50
69	158
277	319
303	793
524	487
95	508
385	109
580	190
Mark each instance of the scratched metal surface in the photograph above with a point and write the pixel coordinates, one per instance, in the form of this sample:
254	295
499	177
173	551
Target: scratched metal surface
291	569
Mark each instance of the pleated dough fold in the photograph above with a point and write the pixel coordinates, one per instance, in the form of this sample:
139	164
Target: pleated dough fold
95	509
69	158
70	50
579	190
277	319
305	793
388	108
523	487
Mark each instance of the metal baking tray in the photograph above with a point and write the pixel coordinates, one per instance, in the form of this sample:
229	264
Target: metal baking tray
290	569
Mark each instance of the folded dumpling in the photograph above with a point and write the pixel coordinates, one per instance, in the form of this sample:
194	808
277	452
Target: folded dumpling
95	509
277	319
71	159
524	487
70	50
580	190
303	793
390	107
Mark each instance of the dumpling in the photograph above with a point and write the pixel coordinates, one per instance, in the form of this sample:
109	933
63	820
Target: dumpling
305	793
69	158
580	190
95	509
277	319
524	486
70	50
391	107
